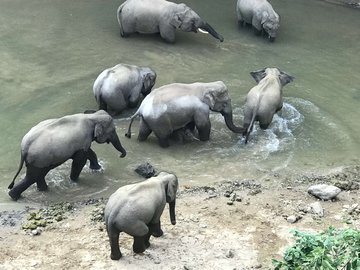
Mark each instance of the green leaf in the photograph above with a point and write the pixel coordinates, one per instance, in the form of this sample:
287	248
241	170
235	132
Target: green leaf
348	221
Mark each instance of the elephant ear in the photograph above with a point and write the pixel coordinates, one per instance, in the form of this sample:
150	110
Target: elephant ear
99	129
178	17
176	20
258	75
209	99
285	78
264	17
148	80
171	188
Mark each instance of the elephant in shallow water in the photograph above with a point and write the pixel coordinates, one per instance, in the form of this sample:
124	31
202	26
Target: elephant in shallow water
264	99
119	87
160	16
171	107
260	14
136	210
51	142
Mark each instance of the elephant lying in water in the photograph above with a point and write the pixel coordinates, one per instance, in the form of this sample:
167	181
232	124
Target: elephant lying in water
119	87
52	142
264	99
136	210
174	106
160	16
260	14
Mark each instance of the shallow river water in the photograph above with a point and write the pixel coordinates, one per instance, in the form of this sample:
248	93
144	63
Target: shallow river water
52	51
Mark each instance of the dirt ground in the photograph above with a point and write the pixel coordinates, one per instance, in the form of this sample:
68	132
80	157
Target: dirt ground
209	233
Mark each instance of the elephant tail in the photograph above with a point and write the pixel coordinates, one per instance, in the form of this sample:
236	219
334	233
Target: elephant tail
250	127
20	167
128	134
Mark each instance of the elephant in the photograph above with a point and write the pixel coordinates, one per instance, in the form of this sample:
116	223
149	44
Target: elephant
160	16
264	99
136	209
119	87
174	106
260	14
51	142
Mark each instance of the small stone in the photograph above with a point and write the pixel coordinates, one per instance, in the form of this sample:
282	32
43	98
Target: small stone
238	199
37	217
35	232
157	261
43	222
257	266
25	226
32	226
32	214
230	254
316	209
58	218
291	219
202	226
230	202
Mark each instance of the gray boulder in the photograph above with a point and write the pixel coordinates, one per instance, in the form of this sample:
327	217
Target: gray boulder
324	192
316	209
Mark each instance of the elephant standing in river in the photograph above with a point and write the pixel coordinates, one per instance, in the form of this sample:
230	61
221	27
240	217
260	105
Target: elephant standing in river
160	16
172	107
260	14
136	210
119	87
53	141
264	99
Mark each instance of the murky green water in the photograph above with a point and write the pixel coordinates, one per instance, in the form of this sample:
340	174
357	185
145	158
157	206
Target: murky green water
52	51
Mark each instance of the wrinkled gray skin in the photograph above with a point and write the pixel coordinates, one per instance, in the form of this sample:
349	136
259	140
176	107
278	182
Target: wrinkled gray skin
54	141
260	14
119	87
174	106
160	16
136	210
264	99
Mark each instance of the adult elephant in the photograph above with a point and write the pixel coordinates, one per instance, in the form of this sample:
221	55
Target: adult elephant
160	16
119	87
53	141
260	14
172	107
264	99
136	210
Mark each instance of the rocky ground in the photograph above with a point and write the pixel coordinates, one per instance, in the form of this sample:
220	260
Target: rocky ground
229	225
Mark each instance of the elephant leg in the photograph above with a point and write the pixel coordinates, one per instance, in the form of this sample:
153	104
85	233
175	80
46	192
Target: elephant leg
79	161
33	175
191	126
102	105
204	131
139	243
264	125
155	229
91	156
144	130
257	32
164	142
113	234
167	32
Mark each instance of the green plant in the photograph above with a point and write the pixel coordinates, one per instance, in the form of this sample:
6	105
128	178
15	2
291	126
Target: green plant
331	249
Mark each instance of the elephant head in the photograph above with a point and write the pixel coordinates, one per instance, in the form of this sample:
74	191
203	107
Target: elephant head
149	77
170	182
189	21
270	24
218	100
284	77
105	131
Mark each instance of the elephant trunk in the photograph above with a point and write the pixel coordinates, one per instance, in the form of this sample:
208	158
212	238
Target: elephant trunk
205	26
172	212
229	123
116	143
271	39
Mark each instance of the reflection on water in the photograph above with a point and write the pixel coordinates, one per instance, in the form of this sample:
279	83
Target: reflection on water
52	53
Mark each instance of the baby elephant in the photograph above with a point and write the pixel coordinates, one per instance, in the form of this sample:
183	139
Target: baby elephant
119	87
136	210
264	99
260	14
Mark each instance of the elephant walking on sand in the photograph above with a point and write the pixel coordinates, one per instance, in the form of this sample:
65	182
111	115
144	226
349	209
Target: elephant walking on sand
53	141
119	87
174	106
136	210
264	99
160	16
260	14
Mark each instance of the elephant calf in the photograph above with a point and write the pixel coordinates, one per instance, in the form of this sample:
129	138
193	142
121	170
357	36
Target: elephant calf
265	99
53	141
119	87
136	210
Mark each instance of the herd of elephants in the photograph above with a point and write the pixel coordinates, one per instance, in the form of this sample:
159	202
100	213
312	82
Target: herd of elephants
164	111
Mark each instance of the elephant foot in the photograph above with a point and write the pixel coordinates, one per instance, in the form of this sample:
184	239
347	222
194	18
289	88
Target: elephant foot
147	244
95	168
42	188
116	256
157	233
139	249
13	195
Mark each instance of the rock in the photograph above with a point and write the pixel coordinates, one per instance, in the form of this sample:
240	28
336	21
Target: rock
32	226
145	170
232	197
43	222
35	232
230	254
58	218
324	192
25	226
316	209
346	185
37	217
230	202
291	219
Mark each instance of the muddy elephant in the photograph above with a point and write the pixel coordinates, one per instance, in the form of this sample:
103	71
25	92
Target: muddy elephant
174	106
264	99
136	209
260	14
54	141
160	16
119	87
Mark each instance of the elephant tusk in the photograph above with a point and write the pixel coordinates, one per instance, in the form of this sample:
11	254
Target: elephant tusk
203	31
